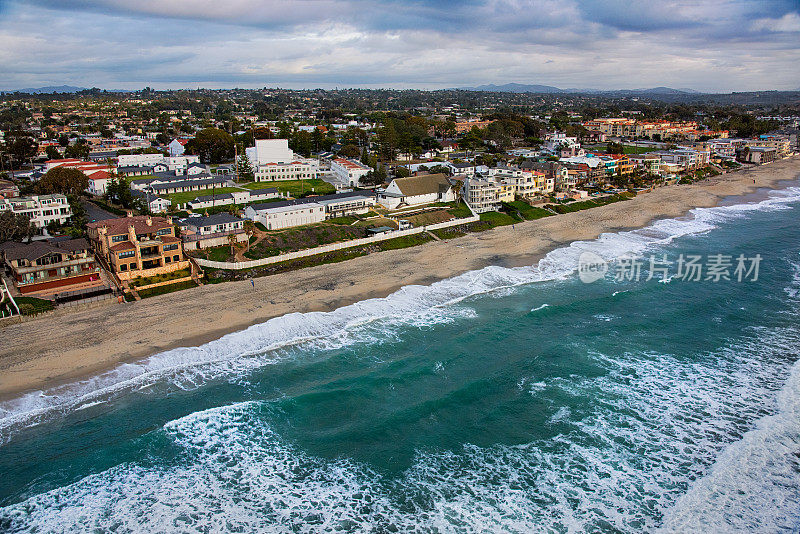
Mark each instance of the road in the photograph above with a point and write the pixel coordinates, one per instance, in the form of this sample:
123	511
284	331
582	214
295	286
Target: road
96	213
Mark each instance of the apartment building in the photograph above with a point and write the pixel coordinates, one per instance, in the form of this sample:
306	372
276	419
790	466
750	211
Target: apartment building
759	155
40	209
138	245
486	193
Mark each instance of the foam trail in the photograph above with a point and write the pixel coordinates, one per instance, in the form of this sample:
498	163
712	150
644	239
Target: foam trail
372	320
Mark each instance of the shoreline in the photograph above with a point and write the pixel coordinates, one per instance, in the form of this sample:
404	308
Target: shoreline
65	347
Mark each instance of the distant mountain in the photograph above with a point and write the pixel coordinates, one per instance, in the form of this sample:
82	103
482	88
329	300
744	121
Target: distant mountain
50	89
515	88
527	88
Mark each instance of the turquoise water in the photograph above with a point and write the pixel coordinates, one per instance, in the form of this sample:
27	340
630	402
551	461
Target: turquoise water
510	400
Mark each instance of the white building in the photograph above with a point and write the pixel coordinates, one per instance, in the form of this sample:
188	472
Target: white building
348	171
177	147
40	209
155	203
236	197
212	231
484	193
98	182
173	163
277	215
272	159
417	190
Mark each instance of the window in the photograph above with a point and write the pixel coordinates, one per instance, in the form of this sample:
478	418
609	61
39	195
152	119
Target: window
176	257
127	254
173	246
123	267
167	259
118	238
164	231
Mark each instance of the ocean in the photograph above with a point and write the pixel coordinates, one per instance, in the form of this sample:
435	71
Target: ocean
500	400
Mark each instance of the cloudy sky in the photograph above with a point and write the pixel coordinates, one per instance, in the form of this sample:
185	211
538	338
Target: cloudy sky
710	45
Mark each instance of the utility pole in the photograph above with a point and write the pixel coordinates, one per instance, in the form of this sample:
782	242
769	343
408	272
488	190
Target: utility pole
236	160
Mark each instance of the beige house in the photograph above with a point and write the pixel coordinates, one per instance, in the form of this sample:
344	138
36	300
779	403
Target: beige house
137	246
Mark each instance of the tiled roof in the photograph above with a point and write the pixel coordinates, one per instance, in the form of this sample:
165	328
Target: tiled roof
139	222
37	249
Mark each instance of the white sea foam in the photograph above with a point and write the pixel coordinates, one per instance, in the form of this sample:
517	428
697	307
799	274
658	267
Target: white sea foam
537	308
373	320
653	427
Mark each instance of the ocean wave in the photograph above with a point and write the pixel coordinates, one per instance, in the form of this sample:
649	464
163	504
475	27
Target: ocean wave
656	426
369	321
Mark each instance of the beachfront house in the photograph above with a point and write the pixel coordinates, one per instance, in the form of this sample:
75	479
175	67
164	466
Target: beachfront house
211	231
45	267
40	209
417	190
139	245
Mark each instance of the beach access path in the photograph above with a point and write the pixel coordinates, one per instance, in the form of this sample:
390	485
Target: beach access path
67	345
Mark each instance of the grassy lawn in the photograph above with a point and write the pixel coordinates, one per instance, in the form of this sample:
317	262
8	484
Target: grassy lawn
588	204
404	241
30	305
429	217
496	218
303	237
145	280
528	212
169	288
296	187
183	198
140	178
460	211
220	253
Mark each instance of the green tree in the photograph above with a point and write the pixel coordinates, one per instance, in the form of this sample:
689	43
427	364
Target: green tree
64	180
22	149
246	171
15	226
212	145
78	150
52	152
350	151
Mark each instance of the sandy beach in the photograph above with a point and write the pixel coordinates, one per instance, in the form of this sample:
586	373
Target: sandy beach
67	345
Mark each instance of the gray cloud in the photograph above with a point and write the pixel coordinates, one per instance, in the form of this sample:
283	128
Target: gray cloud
713	45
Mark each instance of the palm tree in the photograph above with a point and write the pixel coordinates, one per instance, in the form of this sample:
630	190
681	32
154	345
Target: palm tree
232	242
249	230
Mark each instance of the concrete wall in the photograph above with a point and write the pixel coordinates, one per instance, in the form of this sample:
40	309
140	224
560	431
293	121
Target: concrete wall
332	247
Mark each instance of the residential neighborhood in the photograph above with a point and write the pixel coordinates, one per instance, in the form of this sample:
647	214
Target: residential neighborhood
185	191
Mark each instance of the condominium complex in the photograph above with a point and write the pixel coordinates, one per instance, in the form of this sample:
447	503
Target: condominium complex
41	209
659	130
